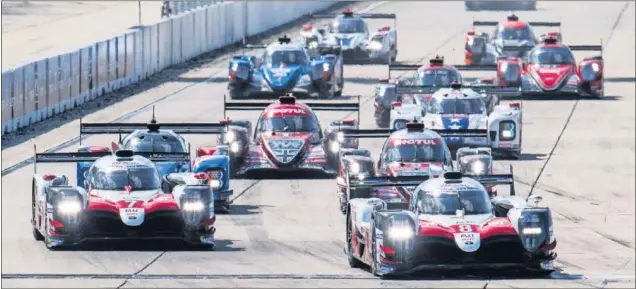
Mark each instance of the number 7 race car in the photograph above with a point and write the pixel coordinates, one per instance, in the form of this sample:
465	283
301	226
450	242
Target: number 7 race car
122	198
164	138
451	223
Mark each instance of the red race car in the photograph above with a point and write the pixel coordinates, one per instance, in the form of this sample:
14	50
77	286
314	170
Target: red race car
287	138
551	70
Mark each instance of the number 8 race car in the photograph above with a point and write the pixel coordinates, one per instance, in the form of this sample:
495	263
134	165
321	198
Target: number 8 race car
450	223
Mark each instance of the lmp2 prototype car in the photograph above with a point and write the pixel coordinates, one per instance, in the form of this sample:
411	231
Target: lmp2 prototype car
349	32
450	223
433	76
287	138
163	138
413	151
552	70
511	38
476	5
285	67
122	199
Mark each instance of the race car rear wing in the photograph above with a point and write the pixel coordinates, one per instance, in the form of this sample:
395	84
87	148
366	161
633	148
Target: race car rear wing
367	133
412	67
363	188
487	89
496	179
361	15
153	126
75	157
532	23
316	106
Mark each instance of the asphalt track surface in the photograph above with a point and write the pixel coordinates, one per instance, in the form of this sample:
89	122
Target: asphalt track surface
578	154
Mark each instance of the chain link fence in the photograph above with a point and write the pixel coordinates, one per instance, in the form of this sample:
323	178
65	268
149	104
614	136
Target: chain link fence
175	7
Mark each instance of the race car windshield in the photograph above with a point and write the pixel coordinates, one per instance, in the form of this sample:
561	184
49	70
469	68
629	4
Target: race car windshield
349	26
154	144
436	77
139	178
457	106
518	34
551	55
286	57
416	153
472	201
288	124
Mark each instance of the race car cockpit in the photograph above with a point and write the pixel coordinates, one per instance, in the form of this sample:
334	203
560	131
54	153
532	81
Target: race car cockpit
126	177
456	105
156	142
551	56
449	201
285	57
347	25
420	151
436	77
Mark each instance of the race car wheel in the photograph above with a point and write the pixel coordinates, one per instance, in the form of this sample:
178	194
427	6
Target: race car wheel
36	233
374	254
353	262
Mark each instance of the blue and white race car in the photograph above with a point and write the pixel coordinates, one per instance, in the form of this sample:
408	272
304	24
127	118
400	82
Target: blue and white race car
463	110
350	32
285	67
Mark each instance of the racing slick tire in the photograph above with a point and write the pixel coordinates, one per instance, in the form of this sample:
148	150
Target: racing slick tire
36	233
353	262
235	93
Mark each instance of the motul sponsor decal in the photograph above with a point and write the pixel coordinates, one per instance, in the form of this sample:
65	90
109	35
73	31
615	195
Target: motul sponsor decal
419	142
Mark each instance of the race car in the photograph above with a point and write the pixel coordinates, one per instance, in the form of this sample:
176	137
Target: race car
122	199
285	67
511	38
349	32
436	74
287	138
476	5
552	70
162	138
450	224
478	162
413	151
464	109
407	108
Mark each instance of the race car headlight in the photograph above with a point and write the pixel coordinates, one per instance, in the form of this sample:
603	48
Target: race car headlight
401	233
375	46
471	41
595	67
509	72
503	66
507	131
235	147
313	45
354	168
230	136
69	207
326	66
304	80
478	168
533	224
340	137
590	72
215	184
193	206
334	147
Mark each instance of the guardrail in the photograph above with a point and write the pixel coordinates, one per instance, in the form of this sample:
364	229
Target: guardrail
175	7
41	89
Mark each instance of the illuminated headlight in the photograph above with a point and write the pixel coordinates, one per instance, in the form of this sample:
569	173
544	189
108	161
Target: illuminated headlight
326	66
193	206
401	232
504	66
375	46
69	207
313	45
334	147
595	67
532	231
471	41
230	136
354	168
478	168
304	80
215	184
234	147
340	137
507	130
235	66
